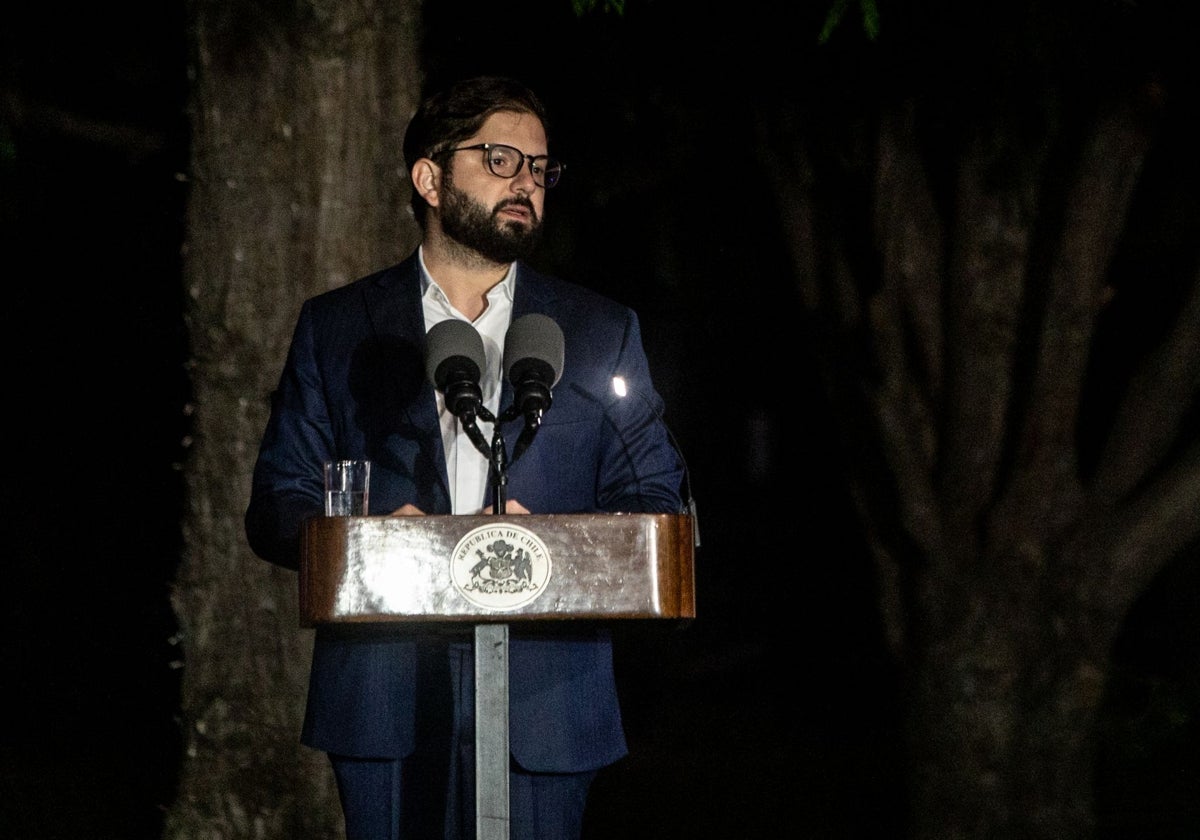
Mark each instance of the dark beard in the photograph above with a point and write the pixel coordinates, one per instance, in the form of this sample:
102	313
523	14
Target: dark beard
471	224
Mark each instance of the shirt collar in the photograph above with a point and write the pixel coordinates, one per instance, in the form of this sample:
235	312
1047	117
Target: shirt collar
430	288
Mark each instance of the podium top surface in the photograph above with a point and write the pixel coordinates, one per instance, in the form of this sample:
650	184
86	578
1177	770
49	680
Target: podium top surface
362	569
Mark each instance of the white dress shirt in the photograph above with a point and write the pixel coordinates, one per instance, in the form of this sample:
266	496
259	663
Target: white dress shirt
465	465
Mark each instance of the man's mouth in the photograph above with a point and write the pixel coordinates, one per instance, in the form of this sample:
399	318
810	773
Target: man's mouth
517	210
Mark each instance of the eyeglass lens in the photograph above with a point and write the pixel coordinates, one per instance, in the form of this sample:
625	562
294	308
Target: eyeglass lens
505	161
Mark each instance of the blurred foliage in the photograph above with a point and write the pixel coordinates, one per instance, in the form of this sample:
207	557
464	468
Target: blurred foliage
583	7
870	19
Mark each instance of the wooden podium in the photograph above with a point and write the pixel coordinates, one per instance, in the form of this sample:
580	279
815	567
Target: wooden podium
490	570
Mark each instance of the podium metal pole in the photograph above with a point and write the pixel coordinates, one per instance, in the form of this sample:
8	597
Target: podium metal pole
491	688
491	731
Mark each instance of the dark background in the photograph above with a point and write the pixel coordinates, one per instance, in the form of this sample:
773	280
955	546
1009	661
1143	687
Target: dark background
93	136
758	715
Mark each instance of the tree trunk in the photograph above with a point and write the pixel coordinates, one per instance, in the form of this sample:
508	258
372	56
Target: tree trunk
956	348
297	185
999	748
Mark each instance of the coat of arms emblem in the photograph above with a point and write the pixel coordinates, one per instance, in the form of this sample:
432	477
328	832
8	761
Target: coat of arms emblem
502	566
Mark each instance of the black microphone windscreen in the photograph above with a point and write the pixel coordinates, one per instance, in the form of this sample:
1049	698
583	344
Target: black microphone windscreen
452	344
534	343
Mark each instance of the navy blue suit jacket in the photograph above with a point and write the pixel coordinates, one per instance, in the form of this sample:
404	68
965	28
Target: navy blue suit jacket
354	386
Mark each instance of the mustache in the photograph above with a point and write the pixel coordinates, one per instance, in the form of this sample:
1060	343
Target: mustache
520	201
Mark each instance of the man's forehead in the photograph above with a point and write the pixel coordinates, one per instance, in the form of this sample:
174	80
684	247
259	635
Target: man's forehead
512	125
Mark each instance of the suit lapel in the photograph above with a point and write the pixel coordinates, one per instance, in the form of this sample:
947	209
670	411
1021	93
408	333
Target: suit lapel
393	303
533	294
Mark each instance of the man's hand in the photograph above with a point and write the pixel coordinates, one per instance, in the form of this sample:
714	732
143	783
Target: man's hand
407	509
511	506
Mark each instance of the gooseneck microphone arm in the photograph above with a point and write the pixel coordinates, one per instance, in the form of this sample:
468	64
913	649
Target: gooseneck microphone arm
464	399
467	418
500	462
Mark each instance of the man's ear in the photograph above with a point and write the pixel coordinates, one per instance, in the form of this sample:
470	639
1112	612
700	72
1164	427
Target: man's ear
426	179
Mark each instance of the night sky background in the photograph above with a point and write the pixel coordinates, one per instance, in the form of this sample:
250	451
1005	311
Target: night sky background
764	715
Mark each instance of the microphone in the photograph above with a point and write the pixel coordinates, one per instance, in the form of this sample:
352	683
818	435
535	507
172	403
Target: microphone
533	363
454	362
622	389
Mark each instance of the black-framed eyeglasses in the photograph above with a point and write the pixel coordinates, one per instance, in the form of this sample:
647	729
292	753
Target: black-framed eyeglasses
506	162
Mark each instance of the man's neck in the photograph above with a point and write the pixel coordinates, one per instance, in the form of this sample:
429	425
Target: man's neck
464	275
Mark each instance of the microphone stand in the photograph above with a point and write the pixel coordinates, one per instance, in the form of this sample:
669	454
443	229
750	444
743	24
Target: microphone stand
497	453
490	648
491	661
499	458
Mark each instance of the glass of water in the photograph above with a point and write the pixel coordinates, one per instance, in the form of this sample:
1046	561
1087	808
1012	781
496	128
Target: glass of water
347	486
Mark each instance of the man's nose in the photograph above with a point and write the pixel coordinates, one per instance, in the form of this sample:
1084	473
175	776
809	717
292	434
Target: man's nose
523	181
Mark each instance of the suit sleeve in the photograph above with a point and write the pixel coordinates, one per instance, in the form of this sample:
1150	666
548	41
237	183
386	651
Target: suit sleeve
641	471
287	487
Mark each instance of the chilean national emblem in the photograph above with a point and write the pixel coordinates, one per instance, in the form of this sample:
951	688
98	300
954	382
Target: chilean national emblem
500	567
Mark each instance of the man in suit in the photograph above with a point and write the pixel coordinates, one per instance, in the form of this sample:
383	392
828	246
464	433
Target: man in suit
394	708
